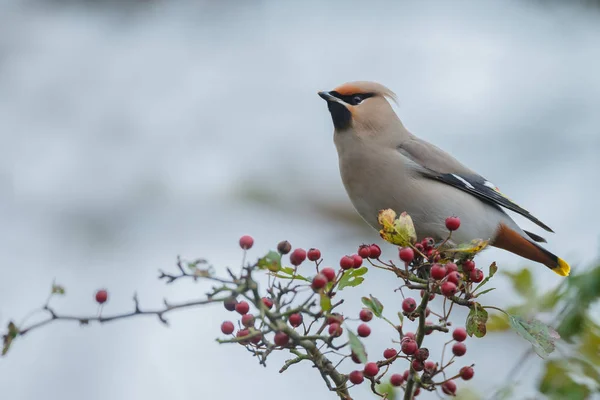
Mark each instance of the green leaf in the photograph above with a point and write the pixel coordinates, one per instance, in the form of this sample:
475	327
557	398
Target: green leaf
485	291
498	323
374	305
491	273
586	368
12	333
493	269
325	302
387	389
476	321
289	273
353	277
557	384
58	289
590	345
522	282
548	300
272	261
540	335
357	347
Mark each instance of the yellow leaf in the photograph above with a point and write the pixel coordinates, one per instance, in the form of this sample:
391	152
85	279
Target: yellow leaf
399	231
471	248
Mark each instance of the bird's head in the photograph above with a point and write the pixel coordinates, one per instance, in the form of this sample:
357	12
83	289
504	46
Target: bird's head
360	105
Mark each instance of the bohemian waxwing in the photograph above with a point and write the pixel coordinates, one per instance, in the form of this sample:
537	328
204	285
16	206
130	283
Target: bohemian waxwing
383	166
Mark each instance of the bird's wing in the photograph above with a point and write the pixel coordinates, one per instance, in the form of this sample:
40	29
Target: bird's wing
434	163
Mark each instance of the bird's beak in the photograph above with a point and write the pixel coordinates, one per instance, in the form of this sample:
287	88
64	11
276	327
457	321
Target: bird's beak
328	97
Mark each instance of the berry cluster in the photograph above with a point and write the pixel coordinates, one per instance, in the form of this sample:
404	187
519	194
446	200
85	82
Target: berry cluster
299	311
425	266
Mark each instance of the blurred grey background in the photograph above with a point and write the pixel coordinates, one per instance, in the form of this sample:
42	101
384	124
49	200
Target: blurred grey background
134	131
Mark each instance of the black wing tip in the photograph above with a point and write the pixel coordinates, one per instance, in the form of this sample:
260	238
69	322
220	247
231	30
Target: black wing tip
535	237
542	225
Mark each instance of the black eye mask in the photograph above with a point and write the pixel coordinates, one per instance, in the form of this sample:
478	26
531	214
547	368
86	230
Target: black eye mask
353	99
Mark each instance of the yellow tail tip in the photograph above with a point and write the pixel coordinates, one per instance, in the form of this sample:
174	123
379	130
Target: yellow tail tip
562	268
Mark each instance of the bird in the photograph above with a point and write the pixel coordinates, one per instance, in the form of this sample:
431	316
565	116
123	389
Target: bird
385	166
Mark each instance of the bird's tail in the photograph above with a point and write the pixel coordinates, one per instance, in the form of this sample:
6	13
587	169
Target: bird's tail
510	240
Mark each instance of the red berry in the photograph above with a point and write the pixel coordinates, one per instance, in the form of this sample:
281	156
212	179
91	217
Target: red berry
365	315
430	366
371	369
297	257
448	289
406	374
267	302
227	327
389	353
256	338
476	275
364	251
101	296
375	251
242	307
356	377
427	312
313	254
459	349
417	365
295	320
357	261
419	246
466	373
397	380
452	223
334	318
429	253
409	347
246	242
406	254
409	305
468	265
230	304
347	262
242	333
431	295
409	335
459	334
422	354
438	271
335	329
428	243
428	329
329	273
319	282
284	247
451	267
248	320
416	393
454	277
281	339
363	330
355	358
449	387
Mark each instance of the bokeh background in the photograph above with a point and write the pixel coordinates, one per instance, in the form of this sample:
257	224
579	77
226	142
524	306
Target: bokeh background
134	131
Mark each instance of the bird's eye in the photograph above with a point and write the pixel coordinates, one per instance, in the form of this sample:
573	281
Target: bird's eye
356	99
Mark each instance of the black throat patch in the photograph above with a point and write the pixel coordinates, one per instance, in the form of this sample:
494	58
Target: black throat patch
341	116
